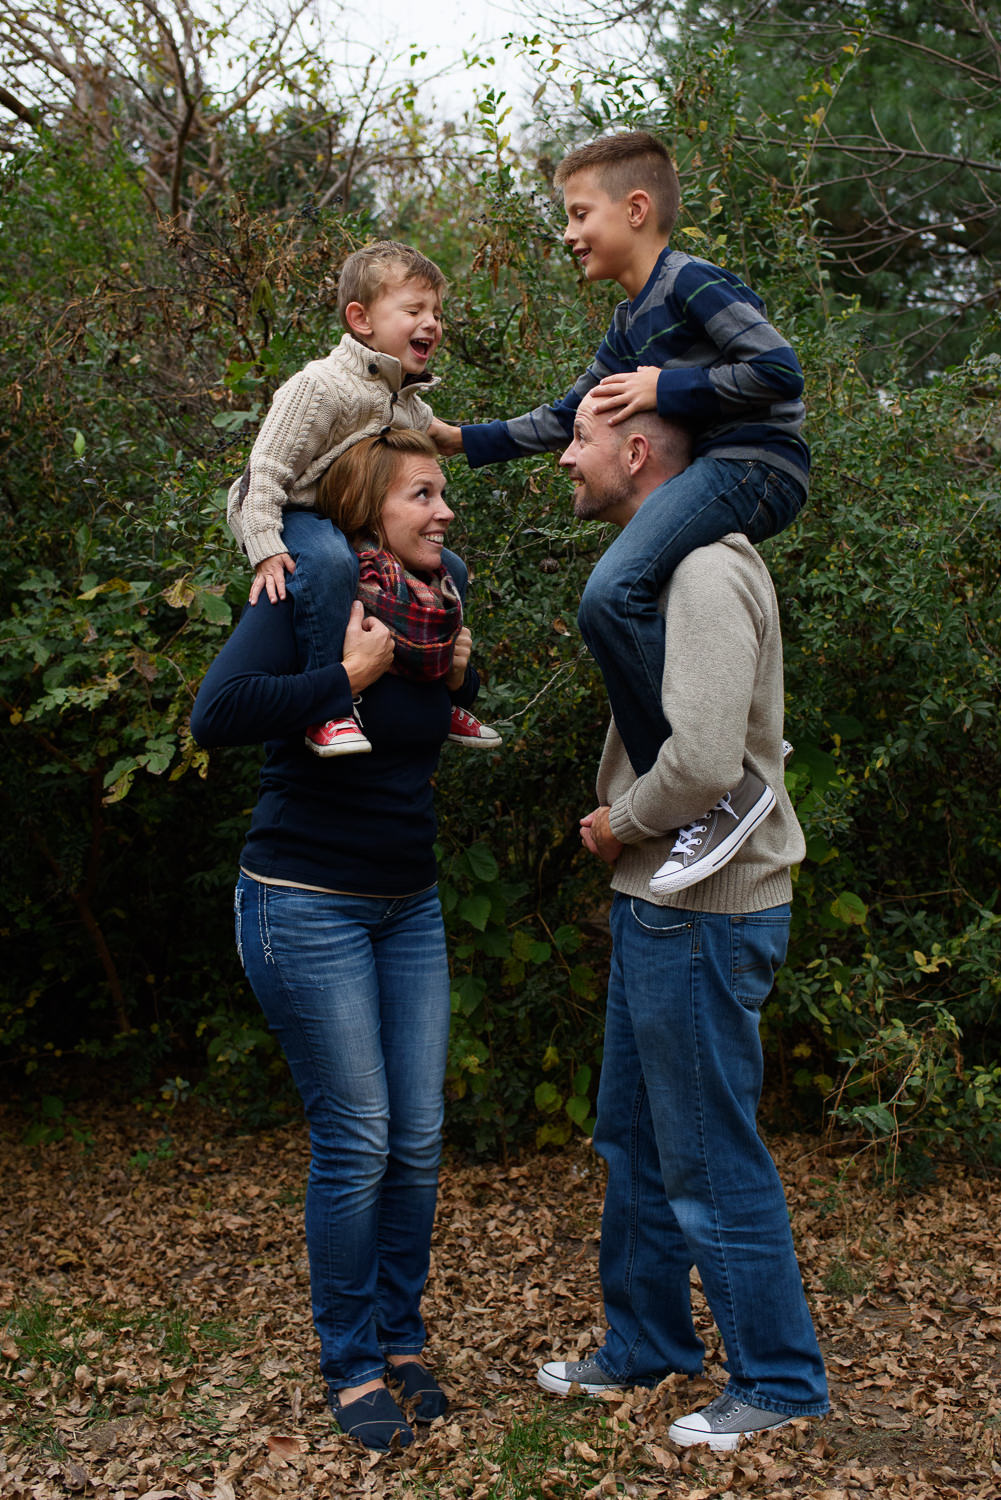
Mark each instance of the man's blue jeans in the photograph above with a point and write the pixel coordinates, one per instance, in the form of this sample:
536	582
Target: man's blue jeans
325	583
356	989
689	1178
618	616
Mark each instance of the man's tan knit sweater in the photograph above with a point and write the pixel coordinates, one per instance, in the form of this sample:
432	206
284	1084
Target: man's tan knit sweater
353	393
723	696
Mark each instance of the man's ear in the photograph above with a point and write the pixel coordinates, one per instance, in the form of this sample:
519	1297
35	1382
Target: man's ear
637	451
357	320
638	205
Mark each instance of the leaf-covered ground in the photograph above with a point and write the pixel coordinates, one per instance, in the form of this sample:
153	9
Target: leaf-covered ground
156	1337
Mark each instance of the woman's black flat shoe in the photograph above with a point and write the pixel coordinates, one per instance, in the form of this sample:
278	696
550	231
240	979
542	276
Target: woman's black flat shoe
420	1386
374	1419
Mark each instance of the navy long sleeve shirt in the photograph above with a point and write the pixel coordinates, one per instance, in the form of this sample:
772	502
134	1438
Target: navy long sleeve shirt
363	824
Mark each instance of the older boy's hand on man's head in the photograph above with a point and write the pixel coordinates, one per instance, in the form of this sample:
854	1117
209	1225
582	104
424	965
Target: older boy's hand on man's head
270	574
447	438
630	392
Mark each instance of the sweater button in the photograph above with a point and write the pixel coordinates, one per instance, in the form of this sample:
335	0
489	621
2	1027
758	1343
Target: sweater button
373	369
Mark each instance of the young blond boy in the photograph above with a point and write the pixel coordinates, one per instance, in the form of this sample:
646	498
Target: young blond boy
389	297
691	342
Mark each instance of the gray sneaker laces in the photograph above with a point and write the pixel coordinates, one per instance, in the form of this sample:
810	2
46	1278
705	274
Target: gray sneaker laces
723	1407
687	839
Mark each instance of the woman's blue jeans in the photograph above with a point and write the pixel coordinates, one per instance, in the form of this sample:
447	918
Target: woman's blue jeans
325	583
689	1178
356	989
619	618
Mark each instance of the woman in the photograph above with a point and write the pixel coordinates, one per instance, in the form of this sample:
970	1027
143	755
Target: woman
338	923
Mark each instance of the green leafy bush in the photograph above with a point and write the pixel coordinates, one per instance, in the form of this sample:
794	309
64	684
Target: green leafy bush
139	357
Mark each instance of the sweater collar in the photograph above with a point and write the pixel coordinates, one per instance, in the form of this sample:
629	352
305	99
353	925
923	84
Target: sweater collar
372	364
652	278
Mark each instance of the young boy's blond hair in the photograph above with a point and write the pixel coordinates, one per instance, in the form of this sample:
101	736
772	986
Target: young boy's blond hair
369	270
622	163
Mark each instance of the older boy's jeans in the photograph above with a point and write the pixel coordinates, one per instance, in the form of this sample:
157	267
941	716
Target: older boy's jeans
325	583
689	1179
618	615
356	989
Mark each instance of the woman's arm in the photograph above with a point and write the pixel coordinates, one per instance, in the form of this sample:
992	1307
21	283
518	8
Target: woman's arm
255	690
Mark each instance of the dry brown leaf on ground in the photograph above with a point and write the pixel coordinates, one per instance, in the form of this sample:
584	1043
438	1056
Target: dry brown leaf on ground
155	1334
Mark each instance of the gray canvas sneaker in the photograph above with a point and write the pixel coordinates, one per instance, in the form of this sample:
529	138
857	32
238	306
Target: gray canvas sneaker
559	1375
723	1423
705	846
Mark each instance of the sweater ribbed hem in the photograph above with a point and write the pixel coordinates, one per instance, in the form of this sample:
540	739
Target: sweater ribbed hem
737	889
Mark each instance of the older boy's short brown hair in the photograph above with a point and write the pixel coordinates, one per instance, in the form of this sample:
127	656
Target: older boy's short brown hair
353	489
365	273
622	163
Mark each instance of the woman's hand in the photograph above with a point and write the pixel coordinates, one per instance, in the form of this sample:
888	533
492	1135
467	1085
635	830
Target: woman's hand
461	652
368	648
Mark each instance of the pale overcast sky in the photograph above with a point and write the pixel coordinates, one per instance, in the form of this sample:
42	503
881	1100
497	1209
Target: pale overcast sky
445	29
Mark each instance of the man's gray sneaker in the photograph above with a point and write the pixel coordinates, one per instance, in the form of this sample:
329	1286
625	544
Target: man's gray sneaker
705	846
559	1375
723	1423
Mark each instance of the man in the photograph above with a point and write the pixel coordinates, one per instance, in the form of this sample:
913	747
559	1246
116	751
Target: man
689	1179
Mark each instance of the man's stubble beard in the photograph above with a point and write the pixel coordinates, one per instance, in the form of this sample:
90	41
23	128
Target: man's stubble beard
591	502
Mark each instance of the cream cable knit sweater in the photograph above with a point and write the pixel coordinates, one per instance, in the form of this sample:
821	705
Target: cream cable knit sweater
354	392
723	696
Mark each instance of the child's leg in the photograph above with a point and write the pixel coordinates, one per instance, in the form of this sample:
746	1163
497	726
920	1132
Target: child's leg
618	615
323	585
456	569
465	728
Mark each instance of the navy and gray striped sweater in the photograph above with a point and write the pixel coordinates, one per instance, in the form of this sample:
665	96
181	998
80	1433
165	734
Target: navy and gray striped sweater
726	373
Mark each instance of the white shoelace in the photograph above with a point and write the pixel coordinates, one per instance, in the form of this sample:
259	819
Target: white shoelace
688	841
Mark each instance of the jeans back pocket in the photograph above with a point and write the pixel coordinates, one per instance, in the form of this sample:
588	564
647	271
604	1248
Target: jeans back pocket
238	922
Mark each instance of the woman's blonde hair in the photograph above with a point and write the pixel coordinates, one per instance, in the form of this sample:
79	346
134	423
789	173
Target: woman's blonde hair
354	488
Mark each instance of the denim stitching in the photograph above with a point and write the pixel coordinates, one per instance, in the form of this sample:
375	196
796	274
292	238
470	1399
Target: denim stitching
332	1247
238	923
735	1355
633	1210
262	926
739	971
657	932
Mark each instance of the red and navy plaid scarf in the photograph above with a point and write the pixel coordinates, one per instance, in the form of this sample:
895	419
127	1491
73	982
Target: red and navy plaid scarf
424	618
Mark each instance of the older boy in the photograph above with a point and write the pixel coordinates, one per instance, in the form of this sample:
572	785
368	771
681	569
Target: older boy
389	298
693	344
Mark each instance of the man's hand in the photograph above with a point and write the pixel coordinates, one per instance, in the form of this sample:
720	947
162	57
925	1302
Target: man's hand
368	648
461	652
447	438
598	838
270	574
626	394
